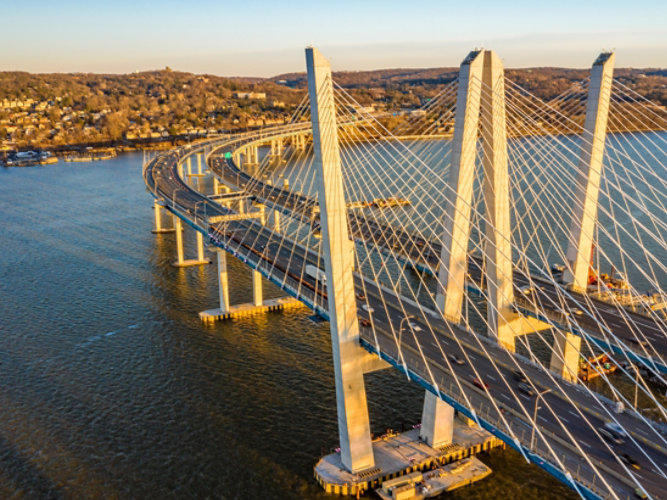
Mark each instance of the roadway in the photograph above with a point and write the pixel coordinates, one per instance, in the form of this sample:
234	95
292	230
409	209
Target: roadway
640	338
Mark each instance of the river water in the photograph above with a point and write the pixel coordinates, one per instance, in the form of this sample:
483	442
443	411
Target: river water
110	387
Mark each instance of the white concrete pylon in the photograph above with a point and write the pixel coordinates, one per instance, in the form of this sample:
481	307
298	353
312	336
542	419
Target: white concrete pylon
276	221
587	187
498	251
565	355
454	255
223	286
178	225
199	163
257	292
437	427
337	251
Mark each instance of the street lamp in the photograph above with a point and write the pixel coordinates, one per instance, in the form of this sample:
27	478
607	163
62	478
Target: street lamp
196	206
532	434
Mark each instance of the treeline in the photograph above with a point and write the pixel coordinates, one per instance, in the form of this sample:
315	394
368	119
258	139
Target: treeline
48	110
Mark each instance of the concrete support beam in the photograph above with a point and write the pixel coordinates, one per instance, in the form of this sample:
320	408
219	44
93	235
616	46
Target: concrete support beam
371	363
437	427
565	355
451	275
223	286
158	220
587	186
353	420
200	246
257	294
199	164
189	161
178	225
216	185
276	221
180	260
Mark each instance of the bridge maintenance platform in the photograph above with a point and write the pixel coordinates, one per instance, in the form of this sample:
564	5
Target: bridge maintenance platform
398	454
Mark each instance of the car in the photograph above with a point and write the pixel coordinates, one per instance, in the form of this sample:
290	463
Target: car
629	461
520	376
455	359
361	296
610	436
578	312
480	383
415	327
614	427
526	389
365	323
367	308
526	290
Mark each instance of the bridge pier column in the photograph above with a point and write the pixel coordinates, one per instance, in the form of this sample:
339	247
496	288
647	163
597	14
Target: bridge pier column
180	171
180	260
178	225
199	164
590	171
454	254
223	286
216	185
276	221
158	220
437	427
257	293
189	160
338	256
565	355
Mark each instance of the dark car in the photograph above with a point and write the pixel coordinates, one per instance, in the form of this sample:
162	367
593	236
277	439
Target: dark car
361	296
610	436
520	376
629	461
455	359
526	389
365	322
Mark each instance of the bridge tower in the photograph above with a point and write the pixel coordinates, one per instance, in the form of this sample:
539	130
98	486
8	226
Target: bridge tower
589	172
338	253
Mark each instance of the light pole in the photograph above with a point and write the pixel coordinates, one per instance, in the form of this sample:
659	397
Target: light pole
400	333
197	206
532	434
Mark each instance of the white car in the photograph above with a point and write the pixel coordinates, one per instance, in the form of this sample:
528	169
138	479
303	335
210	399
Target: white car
613	426
367	308
415	327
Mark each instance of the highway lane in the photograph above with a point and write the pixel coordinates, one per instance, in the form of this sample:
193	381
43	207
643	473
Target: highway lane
272	255
639	337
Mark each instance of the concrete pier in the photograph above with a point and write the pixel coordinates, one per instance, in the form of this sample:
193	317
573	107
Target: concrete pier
180	260
243	310
400	454
158	220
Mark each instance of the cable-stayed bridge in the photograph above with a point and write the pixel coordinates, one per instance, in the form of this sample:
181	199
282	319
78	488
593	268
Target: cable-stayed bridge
436	257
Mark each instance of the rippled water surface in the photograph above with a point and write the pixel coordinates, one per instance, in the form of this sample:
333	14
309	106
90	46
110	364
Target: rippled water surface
110	387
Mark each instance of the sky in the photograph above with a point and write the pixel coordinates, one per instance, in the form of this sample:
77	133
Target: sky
267	38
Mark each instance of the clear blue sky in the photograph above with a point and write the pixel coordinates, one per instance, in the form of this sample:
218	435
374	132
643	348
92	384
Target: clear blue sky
264	38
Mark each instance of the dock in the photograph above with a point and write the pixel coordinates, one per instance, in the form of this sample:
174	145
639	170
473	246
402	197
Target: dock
398	454
418	485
